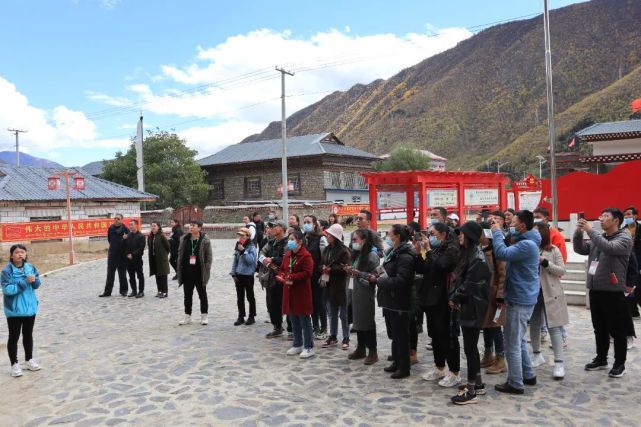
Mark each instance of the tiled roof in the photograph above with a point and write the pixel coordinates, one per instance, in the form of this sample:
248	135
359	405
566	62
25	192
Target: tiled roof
611	131
297	146
30	183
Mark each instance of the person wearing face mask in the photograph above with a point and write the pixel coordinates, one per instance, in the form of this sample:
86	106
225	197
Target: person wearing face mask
242	272
334	277
295	276
438	214
272	256
363	222
541	214
394	296
436	258
453	220
522	284
365	260
315	243
630	217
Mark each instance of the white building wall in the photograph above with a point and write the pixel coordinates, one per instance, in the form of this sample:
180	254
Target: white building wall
624	146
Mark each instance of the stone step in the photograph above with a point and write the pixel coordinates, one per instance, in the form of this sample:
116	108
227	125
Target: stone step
575	297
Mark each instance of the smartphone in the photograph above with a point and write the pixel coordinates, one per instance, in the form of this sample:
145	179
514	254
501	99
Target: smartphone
581	215
488	233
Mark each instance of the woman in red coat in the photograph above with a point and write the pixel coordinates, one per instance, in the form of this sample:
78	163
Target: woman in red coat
295	276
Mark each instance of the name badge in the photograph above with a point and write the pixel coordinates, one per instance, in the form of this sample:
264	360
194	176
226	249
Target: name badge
192	260
593	266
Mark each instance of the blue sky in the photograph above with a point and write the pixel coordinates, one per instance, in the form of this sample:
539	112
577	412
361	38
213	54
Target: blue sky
75	72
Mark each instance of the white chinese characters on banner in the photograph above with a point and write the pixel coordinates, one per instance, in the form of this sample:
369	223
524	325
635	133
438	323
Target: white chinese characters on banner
481	196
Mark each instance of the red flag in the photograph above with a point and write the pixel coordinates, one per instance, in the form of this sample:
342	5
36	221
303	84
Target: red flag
572	143
636	105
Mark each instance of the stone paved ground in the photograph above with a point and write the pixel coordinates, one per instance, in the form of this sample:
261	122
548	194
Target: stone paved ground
125	361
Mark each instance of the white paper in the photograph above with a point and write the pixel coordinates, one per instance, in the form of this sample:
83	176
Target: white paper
497	315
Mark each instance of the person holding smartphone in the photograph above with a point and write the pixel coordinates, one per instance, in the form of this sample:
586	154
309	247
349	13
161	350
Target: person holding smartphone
20	280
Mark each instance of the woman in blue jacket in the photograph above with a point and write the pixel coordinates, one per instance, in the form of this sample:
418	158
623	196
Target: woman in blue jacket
242	271
19	282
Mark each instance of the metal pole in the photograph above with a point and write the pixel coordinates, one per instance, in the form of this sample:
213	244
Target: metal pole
550	99
284	180
72	256
17	132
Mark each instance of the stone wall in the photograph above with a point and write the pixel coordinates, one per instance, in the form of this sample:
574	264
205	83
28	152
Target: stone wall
234	214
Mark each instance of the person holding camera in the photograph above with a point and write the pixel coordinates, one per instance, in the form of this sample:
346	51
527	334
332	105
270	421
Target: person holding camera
20	279
242	272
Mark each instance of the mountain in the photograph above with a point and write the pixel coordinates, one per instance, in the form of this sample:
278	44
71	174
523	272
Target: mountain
485	99
27	160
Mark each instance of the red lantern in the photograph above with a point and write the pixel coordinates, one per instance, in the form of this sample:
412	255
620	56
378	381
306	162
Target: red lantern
53	183
78	183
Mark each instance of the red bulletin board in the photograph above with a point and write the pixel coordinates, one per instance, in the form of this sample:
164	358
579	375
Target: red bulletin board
46	230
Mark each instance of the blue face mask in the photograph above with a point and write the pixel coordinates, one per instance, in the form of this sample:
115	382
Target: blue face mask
434	242
389	242
291	245
307	227
434	221
356	246
628	221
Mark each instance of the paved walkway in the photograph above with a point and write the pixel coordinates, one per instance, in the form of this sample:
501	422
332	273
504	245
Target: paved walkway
125	361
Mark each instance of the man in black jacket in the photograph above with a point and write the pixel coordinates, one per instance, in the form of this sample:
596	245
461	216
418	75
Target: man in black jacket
274	290
134	248
116	257
630	217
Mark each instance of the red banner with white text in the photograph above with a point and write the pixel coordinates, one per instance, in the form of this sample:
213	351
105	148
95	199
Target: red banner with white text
46	230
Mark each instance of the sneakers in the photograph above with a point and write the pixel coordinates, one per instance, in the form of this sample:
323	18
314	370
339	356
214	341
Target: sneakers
487	360
203	319
330	342
275	333
294	351
617	371
186	320
478	389
596	365
464	397
631	343
434	374
16	370
320	335
498	367
32	365
307	353
450	380
345	344
559	371
538	360
250	321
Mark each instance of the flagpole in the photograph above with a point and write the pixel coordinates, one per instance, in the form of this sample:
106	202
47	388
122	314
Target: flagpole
550	99
140	162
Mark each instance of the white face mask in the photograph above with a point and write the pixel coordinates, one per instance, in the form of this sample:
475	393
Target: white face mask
538	220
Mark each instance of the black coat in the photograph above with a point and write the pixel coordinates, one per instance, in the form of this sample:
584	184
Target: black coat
116	242
395	290
336	257
312	243
436	269
174	241
636	250
135	245
471	291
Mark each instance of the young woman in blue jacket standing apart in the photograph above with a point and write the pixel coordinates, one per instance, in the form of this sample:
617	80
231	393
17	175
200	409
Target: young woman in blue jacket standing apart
20	280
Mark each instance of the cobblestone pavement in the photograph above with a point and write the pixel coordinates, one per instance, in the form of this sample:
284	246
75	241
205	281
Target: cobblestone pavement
116	360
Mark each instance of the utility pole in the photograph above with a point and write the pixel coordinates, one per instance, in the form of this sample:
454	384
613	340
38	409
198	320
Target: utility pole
541	162
550	98
499	165
17	132
284	181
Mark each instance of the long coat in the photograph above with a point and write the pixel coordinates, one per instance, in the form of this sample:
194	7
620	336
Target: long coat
159	261
336	256
297	297
556	309
364	297
471	291
497	285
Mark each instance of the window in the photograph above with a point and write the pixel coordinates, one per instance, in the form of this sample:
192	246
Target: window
252	186
344	181
356	199
217	191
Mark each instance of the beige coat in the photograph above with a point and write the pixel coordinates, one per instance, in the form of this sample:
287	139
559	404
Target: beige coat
556	309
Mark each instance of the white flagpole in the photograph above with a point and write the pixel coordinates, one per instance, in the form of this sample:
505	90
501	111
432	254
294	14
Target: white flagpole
139	156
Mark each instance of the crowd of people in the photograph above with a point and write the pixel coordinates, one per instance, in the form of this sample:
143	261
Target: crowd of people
498	276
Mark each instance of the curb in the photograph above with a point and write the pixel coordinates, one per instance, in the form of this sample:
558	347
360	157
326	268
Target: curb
57	270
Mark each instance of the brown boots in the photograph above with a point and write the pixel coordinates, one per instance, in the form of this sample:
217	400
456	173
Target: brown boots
413	357
359	353
498	367
371	358
487	360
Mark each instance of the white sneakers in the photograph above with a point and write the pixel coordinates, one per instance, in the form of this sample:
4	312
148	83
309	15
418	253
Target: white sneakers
434	374
538	360
631	343
32	365
559	371
16	370
450	380
186	320
294	351
307	353
203	319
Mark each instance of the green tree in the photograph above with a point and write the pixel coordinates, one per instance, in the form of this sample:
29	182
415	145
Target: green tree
405	159
171	171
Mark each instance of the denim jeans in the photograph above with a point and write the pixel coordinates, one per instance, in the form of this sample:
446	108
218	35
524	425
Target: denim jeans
519	365
302	329
336	311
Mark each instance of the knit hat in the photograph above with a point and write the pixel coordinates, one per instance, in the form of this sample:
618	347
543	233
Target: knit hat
336	230
472	230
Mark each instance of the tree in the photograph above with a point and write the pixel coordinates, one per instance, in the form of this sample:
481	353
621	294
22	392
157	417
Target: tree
405	159
171	171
